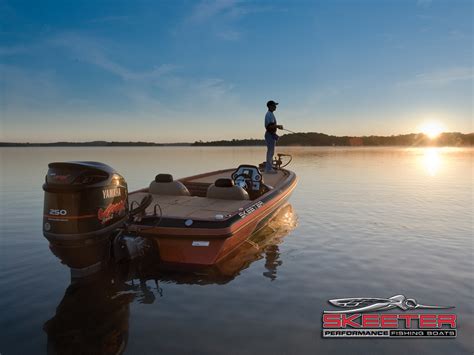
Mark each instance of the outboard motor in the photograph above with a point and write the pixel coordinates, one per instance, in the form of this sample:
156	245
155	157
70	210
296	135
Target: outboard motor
84	204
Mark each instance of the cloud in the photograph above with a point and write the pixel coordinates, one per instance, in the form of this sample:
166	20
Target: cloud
157	96
214	89
207	9
221	16
210	8
178	94
146	90
441	77
93	52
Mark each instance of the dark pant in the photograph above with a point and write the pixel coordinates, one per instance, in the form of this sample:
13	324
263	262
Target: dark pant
271	142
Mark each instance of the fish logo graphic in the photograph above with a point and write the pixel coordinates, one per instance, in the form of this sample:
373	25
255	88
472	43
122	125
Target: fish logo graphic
367	304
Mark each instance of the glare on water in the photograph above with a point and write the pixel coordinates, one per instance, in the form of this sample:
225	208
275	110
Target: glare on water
432	160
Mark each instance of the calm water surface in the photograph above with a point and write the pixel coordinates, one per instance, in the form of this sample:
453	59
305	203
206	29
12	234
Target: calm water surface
362	222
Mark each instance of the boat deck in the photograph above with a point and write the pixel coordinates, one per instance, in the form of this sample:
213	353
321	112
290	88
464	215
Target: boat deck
198	206
269	179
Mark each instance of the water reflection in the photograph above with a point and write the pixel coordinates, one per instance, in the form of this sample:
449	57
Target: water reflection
93	316
431	160
272	261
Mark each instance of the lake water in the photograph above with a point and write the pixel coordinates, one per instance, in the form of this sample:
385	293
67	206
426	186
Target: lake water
363	222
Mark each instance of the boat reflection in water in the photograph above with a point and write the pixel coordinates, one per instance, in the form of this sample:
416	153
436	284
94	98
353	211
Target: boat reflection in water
93	316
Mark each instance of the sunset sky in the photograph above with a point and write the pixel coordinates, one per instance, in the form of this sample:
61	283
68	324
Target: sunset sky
180	71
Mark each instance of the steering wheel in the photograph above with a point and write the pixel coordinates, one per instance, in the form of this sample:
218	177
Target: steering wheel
243	180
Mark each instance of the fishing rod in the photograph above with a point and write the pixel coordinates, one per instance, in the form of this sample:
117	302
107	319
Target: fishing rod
284	129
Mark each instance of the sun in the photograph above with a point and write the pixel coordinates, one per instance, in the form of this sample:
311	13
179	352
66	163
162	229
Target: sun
432	129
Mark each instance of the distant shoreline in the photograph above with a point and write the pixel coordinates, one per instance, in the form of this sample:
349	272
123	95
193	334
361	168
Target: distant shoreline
447	139
92	144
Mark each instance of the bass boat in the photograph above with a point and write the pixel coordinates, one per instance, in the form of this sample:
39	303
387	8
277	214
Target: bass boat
90	217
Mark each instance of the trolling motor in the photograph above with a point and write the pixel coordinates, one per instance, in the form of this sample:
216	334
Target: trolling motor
85	209
277	162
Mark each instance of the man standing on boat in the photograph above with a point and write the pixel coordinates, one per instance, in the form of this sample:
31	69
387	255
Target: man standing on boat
270	135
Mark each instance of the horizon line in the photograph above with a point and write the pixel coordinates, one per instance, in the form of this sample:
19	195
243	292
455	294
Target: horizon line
138	142
231	139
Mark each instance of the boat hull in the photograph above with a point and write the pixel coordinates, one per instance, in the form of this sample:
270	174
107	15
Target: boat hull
206	243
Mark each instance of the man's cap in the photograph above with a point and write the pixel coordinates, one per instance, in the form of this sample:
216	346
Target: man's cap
271	103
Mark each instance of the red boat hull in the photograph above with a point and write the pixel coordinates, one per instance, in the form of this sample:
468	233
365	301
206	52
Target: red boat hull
201	247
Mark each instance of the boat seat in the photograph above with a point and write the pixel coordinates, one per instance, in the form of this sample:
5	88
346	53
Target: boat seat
225	189
164	185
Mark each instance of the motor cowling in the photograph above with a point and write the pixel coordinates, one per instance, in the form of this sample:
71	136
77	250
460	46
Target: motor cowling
84	203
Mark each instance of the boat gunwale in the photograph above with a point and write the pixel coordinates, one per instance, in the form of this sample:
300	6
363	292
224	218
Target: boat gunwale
225	228
228	216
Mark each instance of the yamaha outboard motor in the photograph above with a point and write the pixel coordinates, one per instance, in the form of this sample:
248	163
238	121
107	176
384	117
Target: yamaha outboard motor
84	204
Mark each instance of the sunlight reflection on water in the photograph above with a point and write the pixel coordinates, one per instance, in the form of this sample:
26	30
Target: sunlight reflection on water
432	160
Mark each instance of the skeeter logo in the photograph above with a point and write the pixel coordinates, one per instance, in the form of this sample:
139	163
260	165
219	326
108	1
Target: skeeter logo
359	305
110	211
351	322
250	209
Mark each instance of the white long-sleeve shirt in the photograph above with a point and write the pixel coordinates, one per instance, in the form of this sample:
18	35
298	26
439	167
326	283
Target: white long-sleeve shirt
270	119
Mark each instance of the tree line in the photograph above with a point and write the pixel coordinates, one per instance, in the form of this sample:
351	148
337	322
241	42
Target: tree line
455	139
